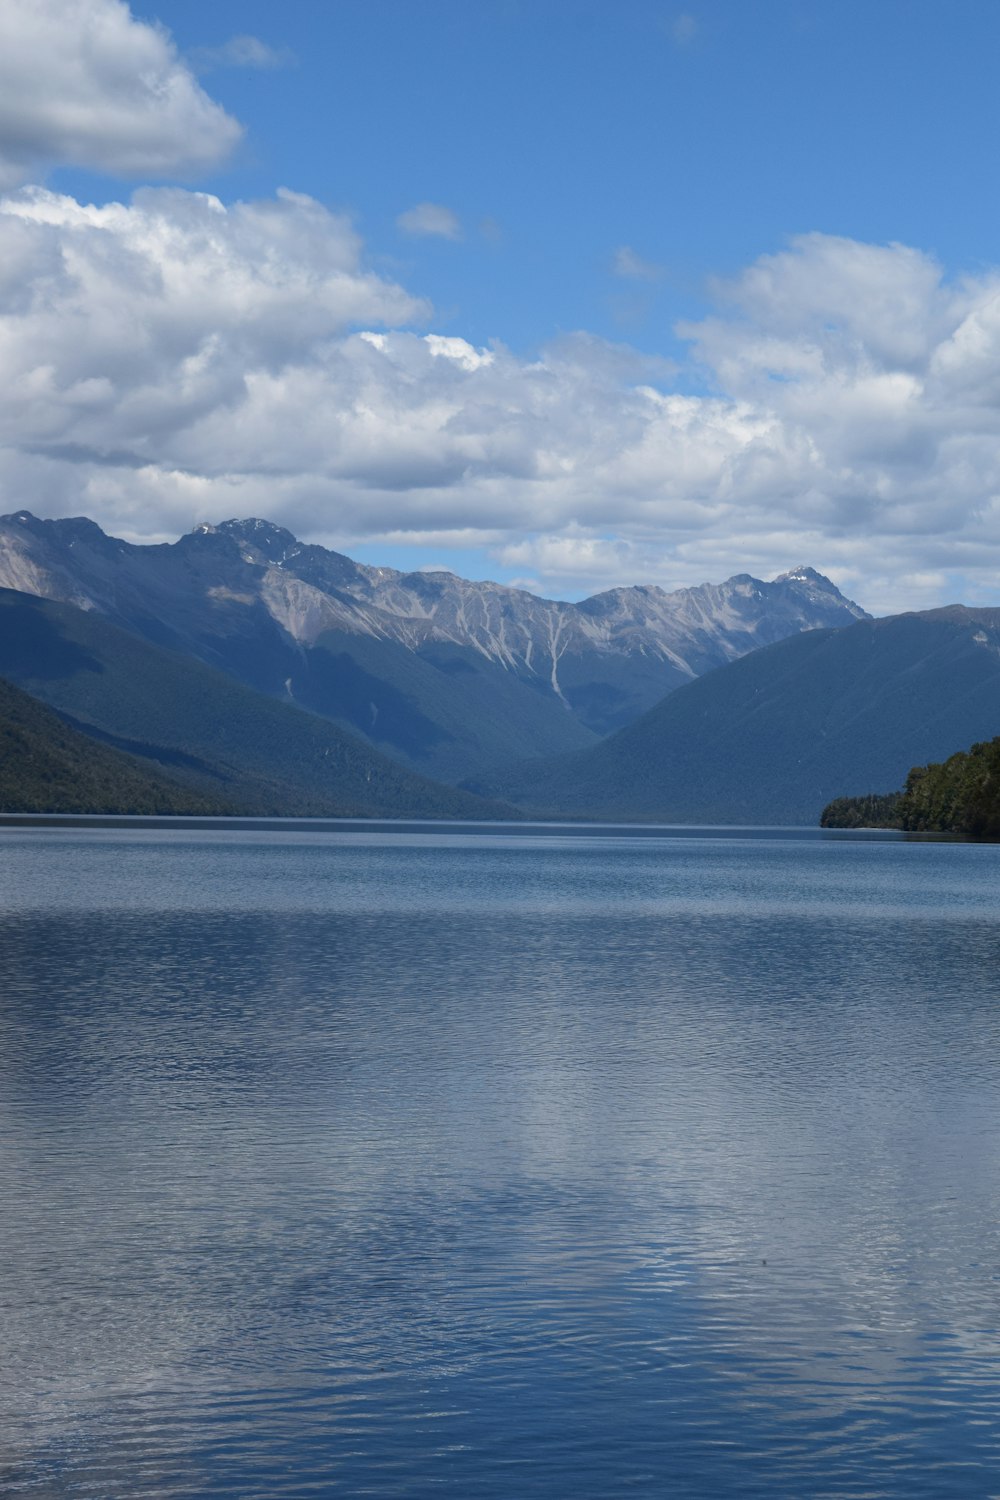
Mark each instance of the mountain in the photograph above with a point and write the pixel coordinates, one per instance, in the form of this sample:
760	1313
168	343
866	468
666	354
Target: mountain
200	728
45	766
450	677
773	737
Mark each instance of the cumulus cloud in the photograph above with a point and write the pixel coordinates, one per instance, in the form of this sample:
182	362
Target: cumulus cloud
172	359
126	329
242	52
427	220
83	82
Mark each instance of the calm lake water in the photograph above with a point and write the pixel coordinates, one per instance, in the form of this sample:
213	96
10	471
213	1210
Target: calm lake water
502	1166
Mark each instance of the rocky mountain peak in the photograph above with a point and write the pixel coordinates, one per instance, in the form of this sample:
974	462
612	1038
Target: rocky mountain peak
271	541
803	573
806	583
59	534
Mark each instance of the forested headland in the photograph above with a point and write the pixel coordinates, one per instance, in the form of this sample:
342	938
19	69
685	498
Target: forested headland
959	795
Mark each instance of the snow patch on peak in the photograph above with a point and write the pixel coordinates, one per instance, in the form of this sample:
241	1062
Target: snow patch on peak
272	542
804	574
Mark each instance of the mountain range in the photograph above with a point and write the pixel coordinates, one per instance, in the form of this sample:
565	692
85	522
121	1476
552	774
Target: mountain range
255	673
449	677
775	736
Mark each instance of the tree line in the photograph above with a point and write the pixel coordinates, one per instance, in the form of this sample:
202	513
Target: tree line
959	795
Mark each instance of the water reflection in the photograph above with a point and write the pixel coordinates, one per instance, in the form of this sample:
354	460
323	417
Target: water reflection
404	1168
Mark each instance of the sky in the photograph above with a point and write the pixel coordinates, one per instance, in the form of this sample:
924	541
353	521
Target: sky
563	293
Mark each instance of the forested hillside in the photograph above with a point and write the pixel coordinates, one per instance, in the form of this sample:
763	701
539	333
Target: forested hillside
959	795
771	738
200	728
45	766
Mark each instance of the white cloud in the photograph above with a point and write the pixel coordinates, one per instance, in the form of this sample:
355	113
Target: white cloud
174	359
463	353
627	264
426	220
125	330
570	556
242	52
82	82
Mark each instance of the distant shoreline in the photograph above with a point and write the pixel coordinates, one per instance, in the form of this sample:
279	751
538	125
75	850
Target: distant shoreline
430	826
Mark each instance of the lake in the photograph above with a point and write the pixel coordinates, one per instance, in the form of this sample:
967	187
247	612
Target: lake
511	1163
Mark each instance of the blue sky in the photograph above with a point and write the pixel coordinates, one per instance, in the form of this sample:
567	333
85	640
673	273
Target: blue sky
649	292
699	137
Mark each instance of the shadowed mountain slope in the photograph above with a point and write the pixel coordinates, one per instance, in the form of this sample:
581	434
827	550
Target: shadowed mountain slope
200	728
47	767
775	736
449	676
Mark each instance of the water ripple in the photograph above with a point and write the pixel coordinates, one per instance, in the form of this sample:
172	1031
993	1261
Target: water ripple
497	1168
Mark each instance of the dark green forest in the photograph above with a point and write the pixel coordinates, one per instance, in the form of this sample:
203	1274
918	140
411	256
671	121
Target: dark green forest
47	767
959	795
215	743
876	810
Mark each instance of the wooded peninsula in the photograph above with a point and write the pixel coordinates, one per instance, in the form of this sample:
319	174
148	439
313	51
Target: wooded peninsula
959	795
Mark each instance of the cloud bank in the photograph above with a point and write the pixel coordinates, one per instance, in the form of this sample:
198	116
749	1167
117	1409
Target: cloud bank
173	359
85	84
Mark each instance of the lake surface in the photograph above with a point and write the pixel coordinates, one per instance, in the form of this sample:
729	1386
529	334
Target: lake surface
498	1165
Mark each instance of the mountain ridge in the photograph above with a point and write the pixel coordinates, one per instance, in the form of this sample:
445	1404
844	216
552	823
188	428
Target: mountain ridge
412	602
778	734
448	676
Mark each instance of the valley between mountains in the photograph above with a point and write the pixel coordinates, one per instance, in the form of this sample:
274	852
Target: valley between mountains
241	670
